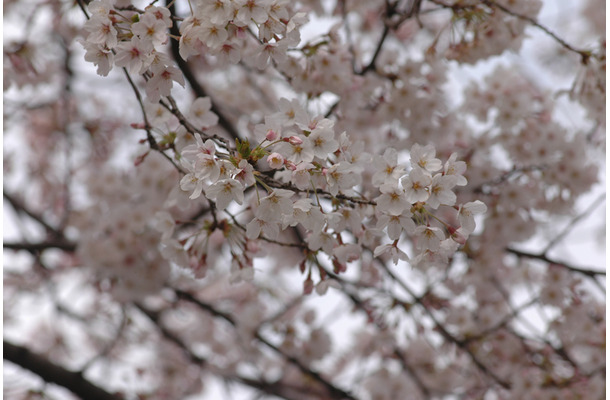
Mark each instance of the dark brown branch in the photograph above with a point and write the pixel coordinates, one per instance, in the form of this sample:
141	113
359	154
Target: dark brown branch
391	10
20	207
288	186
542	257
397	351
584	54
181	294
38	247
155	318
573	222
462	344
172	107
371	64
223	121
149	137
485	187
335	392
276	388
53	373
515	316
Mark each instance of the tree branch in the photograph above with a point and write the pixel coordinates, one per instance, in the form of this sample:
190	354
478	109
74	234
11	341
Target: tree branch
20	207
149	137
335	392
53	373
573	222
223	121
371	64
396	350
585	271
272	388
584	54
463	345
38	247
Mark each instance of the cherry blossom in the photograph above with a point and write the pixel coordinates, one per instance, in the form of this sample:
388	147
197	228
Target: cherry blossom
201	114
150	28
224	191
466	215
416	185
392	200
388	167
135	55
436	163
99	56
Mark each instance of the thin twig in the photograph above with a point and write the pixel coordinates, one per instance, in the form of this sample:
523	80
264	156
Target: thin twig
443	331
149	137
334	391
591	272
223	121
585	55
573	222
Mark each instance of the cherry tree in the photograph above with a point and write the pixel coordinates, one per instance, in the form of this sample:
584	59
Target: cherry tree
347	199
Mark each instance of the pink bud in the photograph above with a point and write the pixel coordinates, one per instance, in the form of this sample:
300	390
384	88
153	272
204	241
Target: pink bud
290	165
295	140
338	267
307	286
140	159
457	236
271	135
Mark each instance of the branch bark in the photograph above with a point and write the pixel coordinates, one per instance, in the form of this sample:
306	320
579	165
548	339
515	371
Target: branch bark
20	207
38	247
590	272
223	121
53	373
273	388
334	392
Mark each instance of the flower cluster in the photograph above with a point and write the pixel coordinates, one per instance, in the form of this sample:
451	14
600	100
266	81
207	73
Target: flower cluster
219	28
348	161
122	250
132	40
486	31
317	180
590	87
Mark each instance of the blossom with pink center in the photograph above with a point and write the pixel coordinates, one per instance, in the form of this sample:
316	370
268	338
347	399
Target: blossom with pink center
135	55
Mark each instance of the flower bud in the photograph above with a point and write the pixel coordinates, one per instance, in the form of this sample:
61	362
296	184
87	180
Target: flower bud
308	286
295	140
457	235
271	135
